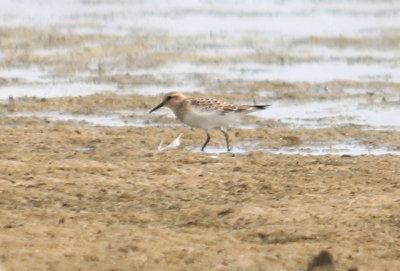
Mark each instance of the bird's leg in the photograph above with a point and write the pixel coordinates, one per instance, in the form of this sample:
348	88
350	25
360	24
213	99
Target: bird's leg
226	139
207	140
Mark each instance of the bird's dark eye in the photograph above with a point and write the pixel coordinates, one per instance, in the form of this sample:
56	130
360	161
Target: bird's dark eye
169	97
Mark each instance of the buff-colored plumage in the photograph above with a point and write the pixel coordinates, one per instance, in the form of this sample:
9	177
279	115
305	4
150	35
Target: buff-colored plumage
205	113
214	105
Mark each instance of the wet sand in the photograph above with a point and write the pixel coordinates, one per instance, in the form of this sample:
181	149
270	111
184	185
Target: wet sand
83	186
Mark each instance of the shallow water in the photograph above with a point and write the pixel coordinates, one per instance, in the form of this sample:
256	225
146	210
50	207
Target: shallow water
110	119
312	148
331	113
35	82
152	90
25	75
296	115
220	30
337	148
313	72
123	119
275	18
331	53
56	90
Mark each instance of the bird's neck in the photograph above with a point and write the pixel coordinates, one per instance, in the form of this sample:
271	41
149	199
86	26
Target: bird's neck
179	111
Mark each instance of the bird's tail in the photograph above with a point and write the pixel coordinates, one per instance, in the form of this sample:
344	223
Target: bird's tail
250	108
260	107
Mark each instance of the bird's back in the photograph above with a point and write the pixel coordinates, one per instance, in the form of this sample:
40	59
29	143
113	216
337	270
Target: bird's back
214	105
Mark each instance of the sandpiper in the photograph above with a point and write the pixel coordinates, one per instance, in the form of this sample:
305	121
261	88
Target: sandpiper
206	113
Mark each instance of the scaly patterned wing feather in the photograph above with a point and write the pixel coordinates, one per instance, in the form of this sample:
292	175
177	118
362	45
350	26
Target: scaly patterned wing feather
210	105
214	105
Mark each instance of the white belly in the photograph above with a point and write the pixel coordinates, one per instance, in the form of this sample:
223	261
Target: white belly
207	120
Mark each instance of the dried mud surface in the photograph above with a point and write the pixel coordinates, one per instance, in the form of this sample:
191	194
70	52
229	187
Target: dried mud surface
80	197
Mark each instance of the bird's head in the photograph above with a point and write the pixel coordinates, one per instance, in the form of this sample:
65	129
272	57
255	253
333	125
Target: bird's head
171	100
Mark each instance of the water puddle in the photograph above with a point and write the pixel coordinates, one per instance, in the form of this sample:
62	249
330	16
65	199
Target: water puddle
313	72
330	53
50	52
26	75
83	149
152	90
274	18
334	113
71	89
217	51
238	148
351	148
338	148
110	119
120	118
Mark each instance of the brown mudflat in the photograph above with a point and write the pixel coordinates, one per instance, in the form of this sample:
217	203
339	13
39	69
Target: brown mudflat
95	198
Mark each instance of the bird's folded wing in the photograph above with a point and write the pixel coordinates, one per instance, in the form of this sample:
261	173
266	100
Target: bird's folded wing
213	105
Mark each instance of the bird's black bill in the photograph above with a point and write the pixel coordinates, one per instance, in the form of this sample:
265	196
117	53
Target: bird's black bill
157	107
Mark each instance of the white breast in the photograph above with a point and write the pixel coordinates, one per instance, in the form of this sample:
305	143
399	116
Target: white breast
209	120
